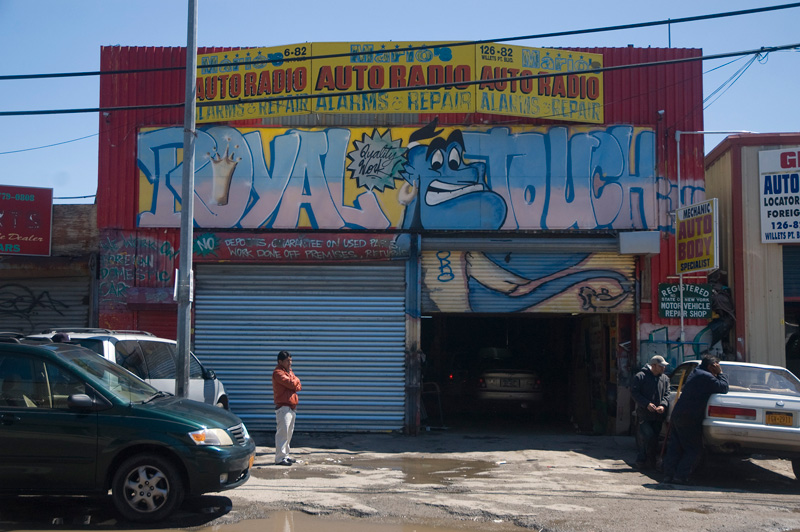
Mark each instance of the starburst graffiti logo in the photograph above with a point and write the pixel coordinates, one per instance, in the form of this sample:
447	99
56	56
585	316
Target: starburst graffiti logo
206	244
376	161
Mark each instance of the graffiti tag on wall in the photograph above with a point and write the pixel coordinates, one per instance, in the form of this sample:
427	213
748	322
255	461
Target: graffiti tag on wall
497	178
299	248
128	260
19	302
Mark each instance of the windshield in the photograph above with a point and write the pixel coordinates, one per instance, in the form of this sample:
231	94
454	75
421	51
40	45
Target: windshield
117	380
761	380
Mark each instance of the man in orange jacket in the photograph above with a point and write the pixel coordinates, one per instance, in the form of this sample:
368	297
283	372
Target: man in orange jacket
285	386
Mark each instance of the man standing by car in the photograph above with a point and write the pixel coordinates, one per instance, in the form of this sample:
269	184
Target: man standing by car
685	443
285	386
650	392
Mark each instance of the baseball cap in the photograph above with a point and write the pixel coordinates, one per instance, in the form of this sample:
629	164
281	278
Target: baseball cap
658	359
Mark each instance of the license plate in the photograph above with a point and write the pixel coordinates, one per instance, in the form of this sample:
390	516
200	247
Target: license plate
509	383
252	459
783	419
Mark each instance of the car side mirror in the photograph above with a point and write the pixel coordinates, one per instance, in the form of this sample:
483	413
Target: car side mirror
210	374
83	402
80	401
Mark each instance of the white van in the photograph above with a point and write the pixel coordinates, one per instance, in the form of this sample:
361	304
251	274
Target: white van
150	358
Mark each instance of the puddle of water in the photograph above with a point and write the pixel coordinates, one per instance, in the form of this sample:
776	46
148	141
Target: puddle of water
295	472
416	470
698	510
426	470
299	522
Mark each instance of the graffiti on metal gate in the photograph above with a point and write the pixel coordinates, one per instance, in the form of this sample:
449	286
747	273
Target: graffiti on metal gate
471	281
429	178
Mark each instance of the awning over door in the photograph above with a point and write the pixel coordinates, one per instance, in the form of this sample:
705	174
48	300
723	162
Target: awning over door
343	323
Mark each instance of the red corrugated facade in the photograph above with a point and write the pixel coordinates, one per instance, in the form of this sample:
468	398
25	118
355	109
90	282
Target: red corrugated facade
632	96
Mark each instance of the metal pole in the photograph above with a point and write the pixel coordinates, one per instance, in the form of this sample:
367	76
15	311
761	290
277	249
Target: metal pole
680	204
185	278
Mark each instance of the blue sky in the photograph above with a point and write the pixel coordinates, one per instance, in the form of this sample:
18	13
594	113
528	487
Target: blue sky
42	36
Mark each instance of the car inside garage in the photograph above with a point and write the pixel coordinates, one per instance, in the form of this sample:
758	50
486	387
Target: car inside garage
458	349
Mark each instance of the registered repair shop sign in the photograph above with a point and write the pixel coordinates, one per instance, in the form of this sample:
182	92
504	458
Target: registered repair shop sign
696	300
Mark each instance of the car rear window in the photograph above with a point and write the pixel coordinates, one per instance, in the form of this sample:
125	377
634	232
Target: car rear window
90	343
762	380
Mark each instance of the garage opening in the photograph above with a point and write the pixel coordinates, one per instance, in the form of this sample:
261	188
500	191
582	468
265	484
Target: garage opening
514	371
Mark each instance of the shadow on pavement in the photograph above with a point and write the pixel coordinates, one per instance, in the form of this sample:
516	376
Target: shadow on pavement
92	513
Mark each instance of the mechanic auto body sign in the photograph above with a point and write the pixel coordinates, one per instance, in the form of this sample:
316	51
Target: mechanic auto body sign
697	241
779	172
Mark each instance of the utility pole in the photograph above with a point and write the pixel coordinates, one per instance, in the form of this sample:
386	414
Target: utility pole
185	279
680	205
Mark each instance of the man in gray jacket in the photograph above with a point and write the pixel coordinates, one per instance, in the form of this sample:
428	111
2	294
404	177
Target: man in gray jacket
650	392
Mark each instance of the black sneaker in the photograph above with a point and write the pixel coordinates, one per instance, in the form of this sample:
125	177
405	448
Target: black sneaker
284	462
291	460
681	481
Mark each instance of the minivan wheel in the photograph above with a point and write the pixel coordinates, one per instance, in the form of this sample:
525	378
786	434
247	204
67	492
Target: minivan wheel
146	487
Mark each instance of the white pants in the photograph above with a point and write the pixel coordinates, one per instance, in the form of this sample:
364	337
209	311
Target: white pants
284	418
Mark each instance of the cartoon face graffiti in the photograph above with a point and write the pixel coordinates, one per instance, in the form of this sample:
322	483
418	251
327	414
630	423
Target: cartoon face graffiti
443	190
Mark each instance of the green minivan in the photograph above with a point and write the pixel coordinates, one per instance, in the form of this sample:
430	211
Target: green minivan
73	423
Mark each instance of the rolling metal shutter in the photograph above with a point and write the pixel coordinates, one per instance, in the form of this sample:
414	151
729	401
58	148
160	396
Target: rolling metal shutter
30	305
343	324
791	272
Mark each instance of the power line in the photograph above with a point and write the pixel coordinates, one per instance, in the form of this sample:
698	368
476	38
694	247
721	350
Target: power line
637	25
762	50
48	145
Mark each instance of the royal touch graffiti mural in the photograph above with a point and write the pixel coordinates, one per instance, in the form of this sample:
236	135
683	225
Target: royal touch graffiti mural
429	178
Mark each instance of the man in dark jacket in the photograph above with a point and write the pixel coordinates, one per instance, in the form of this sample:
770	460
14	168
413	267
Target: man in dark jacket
685	443
650	392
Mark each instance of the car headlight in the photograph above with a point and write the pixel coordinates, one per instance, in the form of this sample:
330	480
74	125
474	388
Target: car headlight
217	437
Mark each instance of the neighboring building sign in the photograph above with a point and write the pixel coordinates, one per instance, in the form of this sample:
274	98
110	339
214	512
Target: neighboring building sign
779	172
697	240
25	220
428	178
372	77
696	300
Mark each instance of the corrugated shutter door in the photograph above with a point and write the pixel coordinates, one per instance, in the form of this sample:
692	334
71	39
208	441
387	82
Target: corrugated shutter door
791	271
30	305
510	282
343	324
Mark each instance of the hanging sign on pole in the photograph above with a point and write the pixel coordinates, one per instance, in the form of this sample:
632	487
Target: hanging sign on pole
697	239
